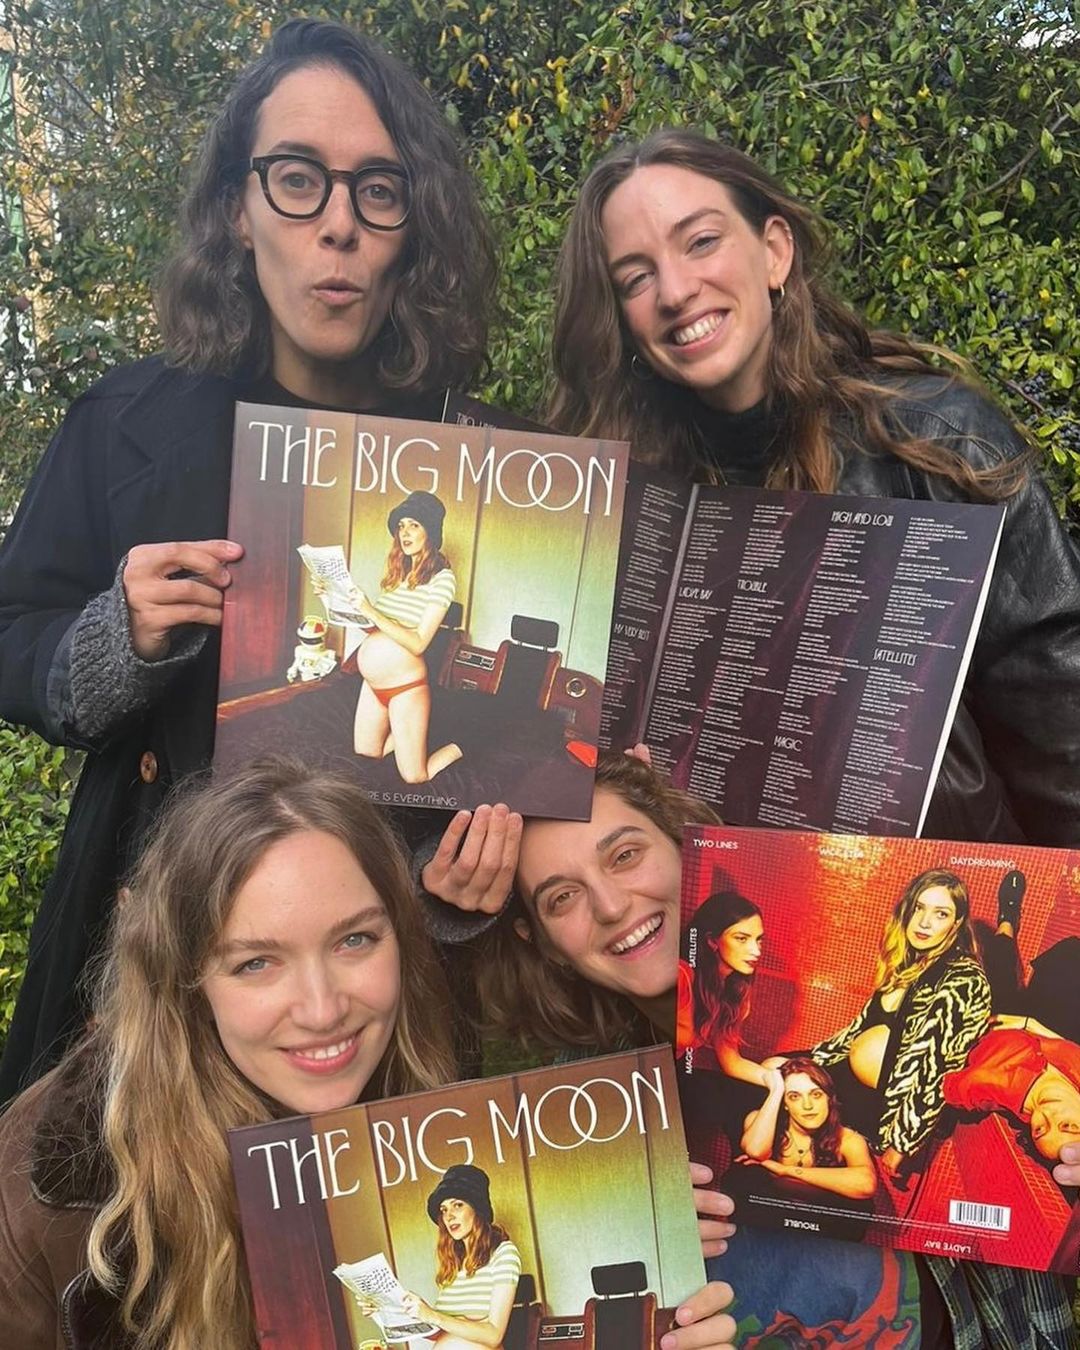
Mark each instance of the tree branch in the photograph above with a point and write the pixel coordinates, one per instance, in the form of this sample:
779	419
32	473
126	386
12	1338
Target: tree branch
1020	165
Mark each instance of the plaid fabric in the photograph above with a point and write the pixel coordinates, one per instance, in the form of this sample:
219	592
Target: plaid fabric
997	1308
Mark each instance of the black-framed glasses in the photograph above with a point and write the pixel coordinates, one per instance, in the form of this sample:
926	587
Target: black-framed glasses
299	187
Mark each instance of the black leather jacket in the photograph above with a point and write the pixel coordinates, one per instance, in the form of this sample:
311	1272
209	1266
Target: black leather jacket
1012	768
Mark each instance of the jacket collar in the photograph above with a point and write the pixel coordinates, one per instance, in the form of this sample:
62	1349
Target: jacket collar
174	407
68	1169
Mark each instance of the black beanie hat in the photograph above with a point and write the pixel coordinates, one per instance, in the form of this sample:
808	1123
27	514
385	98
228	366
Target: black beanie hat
424	507
462	1182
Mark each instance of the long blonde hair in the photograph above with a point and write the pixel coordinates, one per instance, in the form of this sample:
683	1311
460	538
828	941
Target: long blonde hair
825	375
898	965
166	1242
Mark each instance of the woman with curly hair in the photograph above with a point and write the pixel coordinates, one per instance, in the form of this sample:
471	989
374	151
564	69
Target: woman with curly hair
587	951
332	253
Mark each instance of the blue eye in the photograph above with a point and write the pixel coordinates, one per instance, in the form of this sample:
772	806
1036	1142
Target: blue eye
358	941
252	966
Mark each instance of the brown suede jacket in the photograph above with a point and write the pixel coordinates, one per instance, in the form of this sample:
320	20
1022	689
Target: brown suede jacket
52	1180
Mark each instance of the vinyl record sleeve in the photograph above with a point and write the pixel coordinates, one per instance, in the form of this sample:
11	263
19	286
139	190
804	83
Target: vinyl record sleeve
586	1174
879	1039
460	663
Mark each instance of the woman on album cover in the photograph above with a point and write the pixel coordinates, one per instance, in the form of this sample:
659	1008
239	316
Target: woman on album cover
714	995
478	1264
586	955
1027	1064
393	710
798	1134
931	1002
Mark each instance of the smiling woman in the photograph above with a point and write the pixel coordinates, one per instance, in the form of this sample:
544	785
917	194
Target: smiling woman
930	1004
269	957
588	951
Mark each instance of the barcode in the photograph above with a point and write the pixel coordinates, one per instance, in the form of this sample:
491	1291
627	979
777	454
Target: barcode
997	1217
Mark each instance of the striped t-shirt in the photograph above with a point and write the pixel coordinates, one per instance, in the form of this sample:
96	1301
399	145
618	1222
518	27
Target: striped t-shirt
406	605
470	1295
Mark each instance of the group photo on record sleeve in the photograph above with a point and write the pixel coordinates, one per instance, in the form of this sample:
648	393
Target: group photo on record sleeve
911	1005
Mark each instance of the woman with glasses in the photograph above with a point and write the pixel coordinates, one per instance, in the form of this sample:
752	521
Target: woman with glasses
332	254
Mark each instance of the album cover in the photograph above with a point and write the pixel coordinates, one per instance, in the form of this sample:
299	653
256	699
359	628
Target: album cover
554	1204
427	604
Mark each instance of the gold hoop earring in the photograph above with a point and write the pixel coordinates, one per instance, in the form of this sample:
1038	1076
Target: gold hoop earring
640	369
778	296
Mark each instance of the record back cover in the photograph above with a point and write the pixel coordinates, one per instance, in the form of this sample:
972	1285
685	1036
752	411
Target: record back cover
581	1169
879	1038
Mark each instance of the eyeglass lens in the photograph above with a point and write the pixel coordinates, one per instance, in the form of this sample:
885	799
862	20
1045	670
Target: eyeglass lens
298	187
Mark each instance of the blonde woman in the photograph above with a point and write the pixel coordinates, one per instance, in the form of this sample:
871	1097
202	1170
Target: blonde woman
930	1004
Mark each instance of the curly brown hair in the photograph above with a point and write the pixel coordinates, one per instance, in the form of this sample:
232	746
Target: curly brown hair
452	1255
212	313
828	376
524	994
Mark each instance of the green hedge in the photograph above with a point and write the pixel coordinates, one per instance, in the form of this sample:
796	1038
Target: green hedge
940	141
35	786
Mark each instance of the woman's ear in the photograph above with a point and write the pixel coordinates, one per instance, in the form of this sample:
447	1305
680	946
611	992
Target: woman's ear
240	226
780	245
522	929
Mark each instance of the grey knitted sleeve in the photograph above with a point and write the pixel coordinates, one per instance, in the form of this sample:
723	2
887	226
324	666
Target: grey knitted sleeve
445	923
96	680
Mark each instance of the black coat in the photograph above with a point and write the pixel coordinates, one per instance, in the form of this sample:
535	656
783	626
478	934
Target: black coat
142	457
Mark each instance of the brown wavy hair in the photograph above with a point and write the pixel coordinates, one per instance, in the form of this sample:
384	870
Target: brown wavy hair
529	997
826	1140
898	965
721	1002
400	568
212	313
166	1242
829	380
452	1255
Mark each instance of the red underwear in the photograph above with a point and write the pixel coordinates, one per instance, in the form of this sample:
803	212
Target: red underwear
391	691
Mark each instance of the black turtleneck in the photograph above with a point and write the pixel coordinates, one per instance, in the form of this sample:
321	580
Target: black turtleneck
738	446
424	407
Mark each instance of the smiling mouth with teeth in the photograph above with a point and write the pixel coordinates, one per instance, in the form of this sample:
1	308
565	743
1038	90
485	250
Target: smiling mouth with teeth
326	1051
638	936
693	332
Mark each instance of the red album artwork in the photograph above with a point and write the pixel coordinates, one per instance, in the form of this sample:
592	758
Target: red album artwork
879	1039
